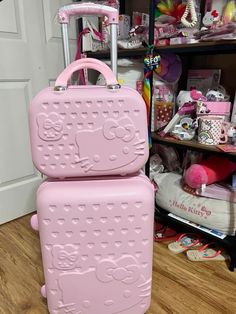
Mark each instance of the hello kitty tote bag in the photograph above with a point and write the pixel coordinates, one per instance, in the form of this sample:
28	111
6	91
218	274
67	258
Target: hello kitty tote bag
79	131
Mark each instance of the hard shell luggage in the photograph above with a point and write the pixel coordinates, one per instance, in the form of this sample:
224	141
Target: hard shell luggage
96	233
81	131
88	130
96	241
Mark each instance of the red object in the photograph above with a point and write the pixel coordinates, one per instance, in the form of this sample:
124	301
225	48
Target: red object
163	112
214	13
205	247
178	11
196	95
139	86
163	233
137	18
162	42
209	171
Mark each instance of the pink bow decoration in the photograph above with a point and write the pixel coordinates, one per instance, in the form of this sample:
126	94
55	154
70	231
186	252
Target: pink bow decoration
197	95
125	269
123	129
49	124
215	13
62	255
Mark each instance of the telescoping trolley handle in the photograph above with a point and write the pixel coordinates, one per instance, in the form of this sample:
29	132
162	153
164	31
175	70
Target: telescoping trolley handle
81	9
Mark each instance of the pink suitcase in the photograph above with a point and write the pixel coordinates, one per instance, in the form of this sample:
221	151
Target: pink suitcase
96	241
79	131
95	233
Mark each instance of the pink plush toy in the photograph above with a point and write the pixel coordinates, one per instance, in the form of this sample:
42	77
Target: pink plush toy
209	171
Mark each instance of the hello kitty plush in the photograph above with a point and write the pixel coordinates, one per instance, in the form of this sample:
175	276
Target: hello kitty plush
210	19
188	96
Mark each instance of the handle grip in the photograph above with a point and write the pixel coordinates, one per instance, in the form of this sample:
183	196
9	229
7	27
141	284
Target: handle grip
89	63
80	9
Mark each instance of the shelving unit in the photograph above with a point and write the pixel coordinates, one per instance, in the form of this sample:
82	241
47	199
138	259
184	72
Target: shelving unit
222	47
200	48
122	53
229	242
193	144
187	53
126	7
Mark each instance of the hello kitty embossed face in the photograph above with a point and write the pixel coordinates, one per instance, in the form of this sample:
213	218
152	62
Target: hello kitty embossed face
118	144
122	276
50	127
65	256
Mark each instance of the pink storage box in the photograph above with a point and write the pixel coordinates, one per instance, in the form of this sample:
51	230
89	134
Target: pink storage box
88	130
96	240
221	108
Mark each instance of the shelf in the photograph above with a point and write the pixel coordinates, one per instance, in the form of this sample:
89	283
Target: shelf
189	144
218	47
228	242
163	214
122	53
201	48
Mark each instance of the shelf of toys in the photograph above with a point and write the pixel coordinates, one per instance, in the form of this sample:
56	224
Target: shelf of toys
201	47
122	53
193	21
193	144
193	119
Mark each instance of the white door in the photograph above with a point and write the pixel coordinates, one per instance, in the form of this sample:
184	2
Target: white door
30	59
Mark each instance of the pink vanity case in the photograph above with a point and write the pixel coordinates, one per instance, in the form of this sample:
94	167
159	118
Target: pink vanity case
96	242
88	130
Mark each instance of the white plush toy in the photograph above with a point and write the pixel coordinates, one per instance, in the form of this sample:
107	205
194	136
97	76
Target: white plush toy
185	96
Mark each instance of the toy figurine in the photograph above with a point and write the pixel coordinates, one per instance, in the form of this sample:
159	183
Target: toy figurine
189	96
185	129
211	19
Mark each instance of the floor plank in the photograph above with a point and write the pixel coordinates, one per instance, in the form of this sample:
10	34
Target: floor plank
179	286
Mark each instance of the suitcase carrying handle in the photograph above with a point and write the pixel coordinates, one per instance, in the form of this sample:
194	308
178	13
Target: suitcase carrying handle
89	63
66	12
81	9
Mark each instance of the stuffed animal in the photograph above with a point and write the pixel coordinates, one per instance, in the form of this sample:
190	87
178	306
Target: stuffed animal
185	96
208	171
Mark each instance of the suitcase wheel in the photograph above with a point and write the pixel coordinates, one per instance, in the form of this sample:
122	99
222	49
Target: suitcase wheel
34	222
43	291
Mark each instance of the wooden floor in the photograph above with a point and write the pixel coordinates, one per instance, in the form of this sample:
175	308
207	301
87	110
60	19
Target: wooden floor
179	286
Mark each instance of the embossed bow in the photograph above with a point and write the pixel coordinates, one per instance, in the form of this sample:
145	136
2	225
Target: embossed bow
125	269
122	128
49	124
68	256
